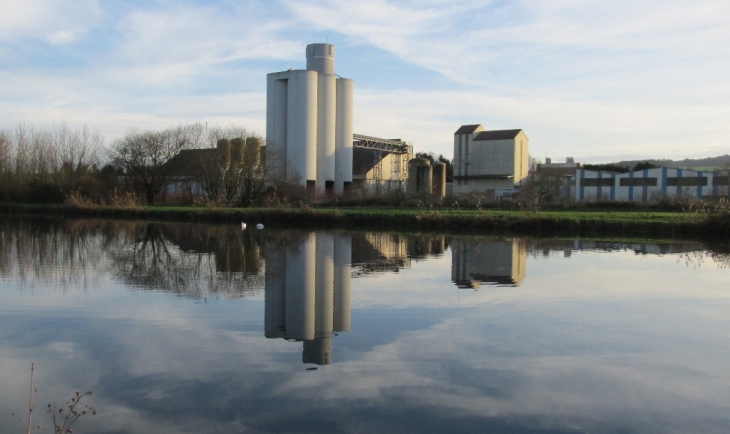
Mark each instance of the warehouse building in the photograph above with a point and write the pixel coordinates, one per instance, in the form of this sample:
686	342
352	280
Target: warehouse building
648	185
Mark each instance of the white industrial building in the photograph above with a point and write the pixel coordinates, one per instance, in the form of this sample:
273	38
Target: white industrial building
309	122
489	161
646	185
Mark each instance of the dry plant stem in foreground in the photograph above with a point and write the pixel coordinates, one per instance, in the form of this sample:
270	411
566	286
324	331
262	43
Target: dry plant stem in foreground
68	415
30	405
63	418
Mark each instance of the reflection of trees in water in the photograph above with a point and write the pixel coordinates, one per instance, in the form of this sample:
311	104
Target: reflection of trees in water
51	252
190	260
697	259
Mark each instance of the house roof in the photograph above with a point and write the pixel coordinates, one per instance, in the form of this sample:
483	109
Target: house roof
187	162
467	129
496	135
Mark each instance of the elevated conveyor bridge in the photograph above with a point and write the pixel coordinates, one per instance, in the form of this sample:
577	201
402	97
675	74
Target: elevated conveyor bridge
395	146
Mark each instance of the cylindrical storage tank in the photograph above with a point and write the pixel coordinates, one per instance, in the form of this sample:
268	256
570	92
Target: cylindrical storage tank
300	290
343	277
439	179
301	146
343	135
321	58
276	120
419	176
253	151
224	151
326	122
237	150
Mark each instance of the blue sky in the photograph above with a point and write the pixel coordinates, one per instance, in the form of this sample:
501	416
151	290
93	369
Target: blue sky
597	80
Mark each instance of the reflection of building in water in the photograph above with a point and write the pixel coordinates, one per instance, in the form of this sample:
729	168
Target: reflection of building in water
235	251
477	261
547	247
377	252
308	292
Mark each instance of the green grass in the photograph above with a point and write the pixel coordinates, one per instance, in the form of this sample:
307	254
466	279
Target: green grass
579	222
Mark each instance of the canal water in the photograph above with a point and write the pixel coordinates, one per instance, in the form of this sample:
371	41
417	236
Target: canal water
181	328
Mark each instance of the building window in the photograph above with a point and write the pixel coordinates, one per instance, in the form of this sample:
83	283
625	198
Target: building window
638	182
596	182
720	180
697	181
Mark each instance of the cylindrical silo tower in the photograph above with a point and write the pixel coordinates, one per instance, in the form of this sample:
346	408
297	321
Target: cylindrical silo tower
326	129
276	120
301	144
343	140
420	176
321	58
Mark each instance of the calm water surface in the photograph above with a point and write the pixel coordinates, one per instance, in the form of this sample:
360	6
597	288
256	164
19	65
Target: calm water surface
209	329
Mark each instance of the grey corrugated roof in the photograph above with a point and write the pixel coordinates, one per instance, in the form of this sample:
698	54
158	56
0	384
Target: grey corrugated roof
467	129
496	135
187	162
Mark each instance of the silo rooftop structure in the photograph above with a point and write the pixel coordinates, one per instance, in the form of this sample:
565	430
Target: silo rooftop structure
309	123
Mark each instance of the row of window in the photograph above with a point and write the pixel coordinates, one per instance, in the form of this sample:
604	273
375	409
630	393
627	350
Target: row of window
698	181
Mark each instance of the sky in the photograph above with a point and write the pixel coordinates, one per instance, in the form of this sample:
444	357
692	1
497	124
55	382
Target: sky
596	80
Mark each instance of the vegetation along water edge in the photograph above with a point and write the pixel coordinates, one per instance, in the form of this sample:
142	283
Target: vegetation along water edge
573	222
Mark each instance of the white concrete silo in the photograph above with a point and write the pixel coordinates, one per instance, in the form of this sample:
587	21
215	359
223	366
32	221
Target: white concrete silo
309	122
343	141
276	119
301	136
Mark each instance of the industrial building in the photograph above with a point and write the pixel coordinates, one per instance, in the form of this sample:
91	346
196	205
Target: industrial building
309	132
646	185
380	165
487	162
309	122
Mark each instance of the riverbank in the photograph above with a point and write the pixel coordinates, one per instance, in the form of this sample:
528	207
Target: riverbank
574	222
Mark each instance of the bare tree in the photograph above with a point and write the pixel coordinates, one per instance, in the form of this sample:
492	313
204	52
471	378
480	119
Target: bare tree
79	153
143	156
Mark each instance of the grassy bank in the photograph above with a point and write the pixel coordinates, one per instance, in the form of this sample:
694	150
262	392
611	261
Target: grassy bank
576	222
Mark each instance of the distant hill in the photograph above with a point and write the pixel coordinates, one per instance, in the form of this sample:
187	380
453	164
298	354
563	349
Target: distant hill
711	163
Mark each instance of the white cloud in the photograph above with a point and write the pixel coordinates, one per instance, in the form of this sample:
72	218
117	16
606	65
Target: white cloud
57	21
167	46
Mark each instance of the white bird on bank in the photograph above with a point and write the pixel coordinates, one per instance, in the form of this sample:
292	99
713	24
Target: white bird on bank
243	226
259	226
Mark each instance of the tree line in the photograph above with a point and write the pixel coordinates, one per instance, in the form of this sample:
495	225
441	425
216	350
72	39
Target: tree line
218	164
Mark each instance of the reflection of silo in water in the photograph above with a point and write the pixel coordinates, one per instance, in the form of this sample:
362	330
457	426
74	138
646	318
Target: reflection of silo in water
318	350
299	303
343	275
475	261
308	293
275	292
